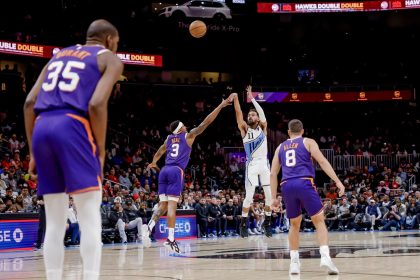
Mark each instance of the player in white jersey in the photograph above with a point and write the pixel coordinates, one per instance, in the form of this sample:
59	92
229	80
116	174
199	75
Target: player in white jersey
254	136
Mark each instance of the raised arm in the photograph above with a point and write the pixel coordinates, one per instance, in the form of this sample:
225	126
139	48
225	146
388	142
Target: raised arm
260	111
239	116
313	148
207	121
275	169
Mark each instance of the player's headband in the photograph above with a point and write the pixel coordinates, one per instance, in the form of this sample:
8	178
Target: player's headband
178	128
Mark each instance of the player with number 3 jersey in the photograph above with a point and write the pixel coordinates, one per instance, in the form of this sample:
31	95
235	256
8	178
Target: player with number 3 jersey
171	178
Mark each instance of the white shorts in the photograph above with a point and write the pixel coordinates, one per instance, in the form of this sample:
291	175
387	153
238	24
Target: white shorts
257	173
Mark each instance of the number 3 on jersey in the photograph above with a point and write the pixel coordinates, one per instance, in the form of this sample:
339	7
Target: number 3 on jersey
175	150
290	158
54	71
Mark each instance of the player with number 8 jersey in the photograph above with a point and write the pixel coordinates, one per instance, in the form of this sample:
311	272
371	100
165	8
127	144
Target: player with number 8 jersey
299	191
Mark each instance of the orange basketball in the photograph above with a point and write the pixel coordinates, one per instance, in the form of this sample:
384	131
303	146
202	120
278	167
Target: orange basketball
198	29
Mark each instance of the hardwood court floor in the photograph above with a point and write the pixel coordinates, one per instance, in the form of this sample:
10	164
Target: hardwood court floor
362	255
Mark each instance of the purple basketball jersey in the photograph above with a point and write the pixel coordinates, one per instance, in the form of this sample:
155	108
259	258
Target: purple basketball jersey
71	79
295	160
177	150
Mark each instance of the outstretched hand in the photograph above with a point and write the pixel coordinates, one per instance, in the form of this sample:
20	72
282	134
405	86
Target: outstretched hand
249	92
227	101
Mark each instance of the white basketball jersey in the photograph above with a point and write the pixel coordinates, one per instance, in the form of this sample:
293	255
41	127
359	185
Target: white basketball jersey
255	143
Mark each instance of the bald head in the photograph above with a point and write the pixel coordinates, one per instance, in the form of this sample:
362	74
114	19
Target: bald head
100	29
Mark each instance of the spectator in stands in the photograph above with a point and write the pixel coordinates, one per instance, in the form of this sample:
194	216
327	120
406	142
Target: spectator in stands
25	163
19	204
33	207
142	213
332	192
9	195
330	214
402	211
72	226
16	162
214	217
374	213
27	199
229	219
188	204
124	180
112	176
14	143
5	163
202	213
11	181
391	219
41	224
120	218
413	214
344	217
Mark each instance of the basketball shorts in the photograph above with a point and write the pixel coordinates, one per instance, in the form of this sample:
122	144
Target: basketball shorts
257	173
171	181
300	193
66	156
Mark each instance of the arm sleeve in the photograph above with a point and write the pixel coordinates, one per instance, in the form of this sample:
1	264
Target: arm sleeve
259	110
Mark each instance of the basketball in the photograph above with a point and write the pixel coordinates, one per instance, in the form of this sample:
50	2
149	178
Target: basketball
198	29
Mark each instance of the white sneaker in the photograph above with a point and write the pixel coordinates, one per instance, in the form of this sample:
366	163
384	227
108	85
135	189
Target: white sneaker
145	236
250	232
327	263
256	231
294	267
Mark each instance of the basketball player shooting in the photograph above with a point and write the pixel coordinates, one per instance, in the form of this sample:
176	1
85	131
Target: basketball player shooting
294	156
257	173
65	120
177	147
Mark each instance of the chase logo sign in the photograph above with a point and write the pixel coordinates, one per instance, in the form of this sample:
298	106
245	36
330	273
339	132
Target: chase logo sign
185	227
17	234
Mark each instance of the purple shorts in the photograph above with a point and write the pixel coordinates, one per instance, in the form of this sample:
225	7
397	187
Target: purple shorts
300	193
65	154
171	181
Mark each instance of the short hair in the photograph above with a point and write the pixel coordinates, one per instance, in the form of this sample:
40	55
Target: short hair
100	29
254	110
174	125
295	126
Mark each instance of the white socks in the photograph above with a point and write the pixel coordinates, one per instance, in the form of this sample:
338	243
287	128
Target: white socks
56	206
151	224
294	255
324	251
89	217
171	233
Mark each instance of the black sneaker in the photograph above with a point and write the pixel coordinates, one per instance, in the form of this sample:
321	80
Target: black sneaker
267	227
172	245
243	228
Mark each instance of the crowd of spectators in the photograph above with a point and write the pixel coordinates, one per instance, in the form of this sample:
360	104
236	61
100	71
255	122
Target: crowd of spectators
213	181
